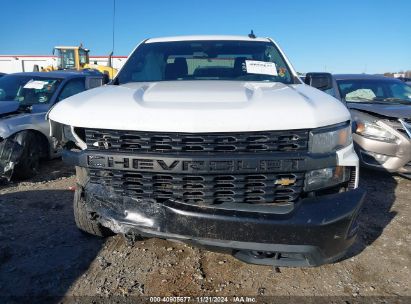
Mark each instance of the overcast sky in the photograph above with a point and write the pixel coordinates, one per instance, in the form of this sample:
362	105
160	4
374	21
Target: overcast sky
350	36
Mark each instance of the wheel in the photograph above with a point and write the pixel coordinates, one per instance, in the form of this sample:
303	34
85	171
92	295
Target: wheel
29	162
82	217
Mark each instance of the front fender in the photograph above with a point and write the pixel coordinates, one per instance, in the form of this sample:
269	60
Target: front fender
17	123
33	121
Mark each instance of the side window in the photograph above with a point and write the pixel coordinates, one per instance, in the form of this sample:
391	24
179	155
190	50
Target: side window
399	90
72	87
331	92
94	82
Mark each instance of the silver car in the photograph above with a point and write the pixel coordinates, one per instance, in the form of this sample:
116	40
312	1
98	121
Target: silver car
25	98
381	113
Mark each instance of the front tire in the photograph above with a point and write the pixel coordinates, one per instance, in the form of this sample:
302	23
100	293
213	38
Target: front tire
82	217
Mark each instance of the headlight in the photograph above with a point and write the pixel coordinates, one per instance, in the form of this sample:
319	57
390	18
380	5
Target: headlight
326	178
330	139
70	135
367	126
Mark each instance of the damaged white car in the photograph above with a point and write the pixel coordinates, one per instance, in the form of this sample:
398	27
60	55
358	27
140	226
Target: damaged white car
25	98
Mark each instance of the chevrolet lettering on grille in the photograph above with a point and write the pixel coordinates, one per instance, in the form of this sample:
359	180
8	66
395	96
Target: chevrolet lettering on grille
195	165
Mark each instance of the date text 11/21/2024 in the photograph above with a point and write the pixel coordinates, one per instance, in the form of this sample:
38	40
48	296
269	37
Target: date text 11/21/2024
203	299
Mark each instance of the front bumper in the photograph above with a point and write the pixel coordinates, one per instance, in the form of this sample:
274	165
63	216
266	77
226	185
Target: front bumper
318	231
391	157
309	232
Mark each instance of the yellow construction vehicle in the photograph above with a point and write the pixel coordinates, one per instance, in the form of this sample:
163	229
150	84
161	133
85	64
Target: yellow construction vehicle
77	58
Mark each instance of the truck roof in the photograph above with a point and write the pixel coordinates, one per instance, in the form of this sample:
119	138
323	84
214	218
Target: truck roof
205	37
358	76
58	74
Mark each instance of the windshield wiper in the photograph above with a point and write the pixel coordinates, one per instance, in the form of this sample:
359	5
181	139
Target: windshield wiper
393	100
361	99
389	100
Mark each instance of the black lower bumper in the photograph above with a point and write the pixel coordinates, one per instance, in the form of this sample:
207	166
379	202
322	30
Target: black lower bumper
317	231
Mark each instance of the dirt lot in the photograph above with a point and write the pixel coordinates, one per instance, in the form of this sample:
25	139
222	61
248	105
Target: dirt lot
43	254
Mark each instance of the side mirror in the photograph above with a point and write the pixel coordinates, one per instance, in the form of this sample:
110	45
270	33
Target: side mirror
106	78
94	82
321	81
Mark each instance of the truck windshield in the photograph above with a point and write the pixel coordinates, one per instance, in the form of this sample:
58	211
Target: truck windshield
66	59
27	90
206	60
375	90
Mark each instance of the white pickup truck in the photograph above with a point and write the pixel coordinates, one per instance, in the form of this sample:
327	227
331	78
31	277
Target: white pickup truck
215	140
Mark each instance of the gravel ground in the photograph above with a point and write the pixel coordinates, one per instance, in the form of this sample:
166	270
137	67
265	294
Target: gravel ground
43	254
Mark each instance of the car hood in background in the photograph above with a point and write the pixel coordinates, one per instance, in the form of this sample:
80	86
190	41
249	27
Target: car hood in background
201	106
389	110
7	107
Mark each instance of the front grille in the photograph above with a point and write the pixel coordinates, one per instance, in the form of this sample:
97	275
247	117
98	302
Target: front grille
174	143
351	181
202	189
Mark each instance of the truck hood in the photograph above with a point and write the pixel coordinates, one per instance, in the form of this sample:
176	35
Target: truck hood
201	106
7	107
389	110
